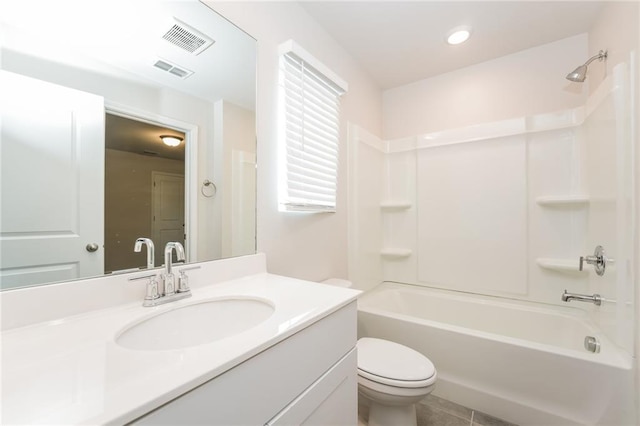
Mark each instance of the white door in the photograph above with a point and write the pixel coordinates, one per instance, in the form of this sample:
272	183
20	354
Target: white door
167	199
52	182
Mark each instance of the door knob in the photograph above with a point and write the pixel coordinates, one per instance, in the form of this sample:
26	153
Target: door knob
92	247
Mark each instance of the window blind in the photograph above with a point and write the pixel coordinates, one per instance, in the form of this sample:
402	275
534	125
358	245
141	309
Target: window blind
311	136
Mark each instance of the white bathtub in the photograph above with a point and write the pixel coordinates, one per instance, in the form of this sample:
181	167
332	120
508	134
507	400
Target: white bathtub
522	362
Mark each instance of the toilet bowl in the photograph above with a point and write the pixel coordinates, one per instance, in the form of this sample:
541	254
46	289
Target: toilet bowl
392	378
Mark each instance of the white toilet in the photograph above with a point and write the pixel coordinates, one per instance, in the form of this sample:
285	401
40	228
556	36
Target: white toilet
393	378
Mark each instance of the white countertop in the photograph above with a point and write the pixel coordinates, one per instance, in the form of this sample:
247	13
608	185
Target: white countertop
71	370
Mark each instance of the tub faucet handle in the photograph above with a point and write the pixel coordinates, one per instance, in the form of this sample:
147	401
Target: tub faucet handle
598	260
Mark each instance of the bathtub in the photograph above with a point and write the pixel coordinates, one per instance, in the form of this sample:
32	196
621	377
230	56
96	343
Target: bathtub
520	361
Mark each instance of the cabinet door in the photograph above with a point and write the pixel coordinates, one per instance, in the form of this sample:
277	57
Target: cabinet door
331	400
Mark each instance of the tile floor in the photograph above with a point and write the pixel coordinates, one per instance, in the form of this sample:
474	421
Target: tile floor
434	411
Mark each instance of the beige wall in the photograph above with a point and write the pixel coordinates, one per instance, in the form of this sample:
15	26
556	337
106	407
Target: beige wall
309	246
528	82
616	31
128	205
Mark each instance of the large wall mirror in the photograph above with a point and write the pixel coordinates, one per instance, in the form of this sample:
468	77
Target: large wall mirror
89	91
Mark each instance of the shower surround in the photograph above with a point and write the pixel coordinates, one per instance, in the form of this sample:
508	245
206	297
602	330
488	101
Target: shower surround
505	209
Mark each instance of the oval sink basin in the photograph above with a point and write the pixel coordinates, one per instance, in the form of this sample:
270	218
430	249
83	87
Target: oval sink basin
195	324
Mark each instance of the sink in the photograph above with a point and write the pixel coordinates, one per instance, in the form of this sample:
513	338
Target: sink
195	324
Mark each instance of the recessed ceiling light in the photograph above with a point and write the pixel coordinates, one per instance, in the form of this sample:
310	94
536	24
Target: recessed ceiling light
458	35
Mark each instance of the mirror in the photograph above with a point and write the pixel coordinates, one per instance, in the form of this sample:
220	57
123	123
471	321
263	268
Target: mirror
87	90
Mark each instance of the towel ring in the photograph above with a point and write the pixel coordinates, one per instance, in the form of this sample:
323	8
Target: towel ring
208	189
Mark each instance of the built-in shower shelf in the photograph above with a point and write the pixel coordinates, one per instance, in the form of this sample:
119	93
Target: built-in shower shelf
395	205
559	265
560	201
395	253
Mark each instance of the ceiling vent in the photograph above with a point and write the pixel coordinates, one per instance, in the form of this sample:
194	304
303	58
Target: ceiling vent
171	68
187	38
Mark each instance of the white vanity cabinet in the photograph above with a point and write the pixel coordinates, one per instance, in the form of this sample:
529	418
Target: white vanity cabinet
309	378
64	363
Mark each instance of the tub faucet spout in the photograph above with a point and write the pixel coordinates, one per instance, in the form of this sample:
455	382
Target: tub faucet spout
594	298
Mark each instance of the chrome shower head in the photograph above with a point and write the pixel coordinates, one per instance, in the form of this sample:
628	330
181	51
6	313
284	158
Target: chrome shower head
580	74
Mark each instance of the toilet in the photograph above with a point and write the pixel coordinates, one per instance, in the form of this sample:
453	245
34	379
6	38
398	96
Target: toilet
391	377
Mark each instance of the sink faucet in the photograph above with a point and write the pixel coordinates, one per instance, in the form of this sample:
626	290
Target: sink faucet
155	295
150	250
167	277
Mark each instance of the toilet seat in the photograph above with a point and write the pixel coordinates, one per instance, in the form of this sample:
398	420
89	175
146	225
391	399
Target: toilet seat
397	383
392	364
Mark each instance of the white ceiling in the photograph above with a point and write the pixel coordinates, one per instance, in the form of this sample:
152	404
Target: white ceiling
401	42
123	38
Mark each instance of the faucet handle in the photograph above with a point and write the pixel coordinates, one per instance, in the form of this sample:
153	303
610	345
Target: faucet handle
152	292
598	260
169	284
152	289
183	282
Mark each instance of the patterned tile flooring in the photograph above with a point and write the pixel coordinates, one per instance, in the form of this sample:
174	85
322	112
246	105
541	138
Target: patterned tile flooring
434	411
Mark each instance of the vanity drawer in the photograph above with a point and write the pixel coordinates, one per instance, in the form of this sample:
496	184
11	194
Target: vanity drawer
331	400
255	391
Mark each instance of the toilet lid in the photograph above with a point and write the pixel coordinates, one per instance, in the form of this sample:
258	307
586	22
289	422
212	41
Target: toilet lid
391	363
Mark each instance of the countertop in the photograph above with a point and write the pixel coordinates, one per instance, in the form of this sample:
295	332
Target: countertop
72	371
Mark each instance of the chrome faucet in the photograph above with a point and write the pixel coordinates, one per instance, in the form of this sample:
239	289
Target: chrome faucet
150	250
168	277
156	295
596	299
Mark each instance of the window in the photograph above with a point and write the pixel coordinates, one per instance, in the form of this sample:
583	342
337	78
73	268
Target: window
310	132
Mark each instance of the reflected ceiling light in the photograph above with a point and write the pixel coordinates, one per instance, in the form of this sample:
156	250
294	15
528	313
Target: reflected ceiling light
458	35
171	140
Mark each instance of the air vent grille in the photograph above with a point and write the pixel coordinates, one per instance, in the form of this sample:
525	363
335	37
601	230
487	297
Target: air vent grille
174	69
187	38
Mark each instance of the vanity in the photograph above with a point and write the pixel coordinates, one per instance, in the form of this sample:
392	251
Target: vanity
249	348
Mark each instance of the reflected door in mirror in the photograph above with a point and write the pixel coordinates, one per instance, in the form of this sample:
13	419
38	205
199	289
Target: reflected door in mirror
53	170
167	211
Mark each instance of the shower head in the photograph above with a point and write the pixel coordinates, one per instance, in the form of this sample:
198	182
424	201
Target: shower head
580	74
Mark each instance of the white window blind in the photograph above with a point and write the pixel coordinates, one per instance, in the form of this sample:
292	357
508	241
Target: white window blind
310	114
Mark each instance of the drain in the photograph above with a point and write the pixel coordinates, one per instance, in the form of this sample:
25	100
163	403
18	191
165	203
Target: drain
592	344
